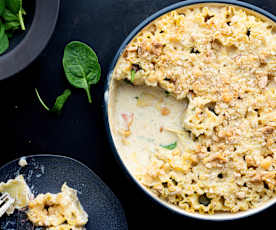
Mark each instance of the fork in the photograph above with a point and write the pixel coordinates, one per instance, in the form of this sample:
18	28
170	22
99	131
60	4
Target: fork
6	202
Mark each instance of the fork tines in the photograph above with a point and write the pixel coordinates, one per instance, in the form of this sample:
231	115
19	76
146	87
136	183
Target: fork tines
6	202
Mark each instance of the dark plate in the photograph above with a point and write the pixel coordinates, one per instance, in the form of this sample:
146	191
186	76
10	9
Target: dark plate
40	21
47	173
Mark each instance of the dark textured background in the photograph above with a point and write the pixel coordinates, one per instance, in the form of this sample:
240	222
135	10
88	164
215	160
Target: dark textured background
80	133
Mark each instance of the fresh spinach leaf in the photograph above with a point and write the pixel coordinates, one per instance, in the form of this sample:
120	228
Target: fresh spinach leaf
23	12
2	6
132	77
21	21
81	66
169	147
59	103
12	26
9	16
2	29
4	43
14	5
11	20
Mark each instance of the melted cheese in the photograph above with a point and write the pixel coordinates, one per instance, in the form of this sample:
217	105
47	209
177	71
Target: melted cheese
58	211
19	190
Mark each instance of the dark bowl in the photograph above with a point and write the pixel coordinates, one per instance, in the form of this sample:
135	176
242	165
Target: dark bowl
28	19
216	217
25	46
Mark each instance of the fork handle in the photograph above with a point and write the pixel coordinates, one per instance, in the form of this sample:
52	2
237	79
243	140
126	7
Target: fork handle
6	206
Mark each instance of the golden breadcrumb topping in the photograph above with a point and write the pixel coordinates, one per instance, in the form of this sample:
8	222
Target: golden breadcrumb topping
222	61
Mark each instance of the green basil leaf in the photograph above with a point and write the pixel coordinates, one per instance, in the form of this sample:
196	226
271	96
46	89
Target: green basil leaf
60	101
12	26
8	16
81	66
2	6
4	43
169	147
132	77
14	5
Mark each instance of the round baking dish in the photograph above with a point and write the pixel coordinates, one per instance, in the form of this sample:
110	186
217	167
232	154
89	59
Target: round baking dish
216	217
26	47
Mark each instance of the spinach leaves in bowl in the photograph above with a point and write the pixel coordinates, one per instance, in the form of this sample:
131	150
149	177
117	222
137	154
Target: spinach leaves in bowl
12	22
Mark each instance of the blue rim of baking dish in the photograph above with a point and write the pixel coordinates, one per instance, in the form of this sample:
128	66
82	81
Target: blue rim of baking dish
34	42
128	39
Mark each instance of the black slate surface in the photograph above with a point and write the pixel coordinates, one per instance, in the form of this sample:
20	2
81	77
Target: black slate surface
80	133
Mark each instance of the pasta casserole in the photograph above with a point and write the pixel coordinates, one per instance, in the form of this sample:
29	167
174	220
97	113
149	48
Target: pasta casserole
194	118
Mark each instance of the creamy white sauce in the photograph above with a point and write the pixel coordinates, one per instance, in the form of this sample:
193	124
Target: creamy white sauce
148	129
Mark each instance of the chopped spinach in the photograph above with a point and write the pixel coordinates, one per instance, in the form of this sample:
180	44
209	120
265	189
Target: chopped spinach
204	200
248	32
136	67
194	51
165	184
133	72
169	147
174	181
128	81
167	93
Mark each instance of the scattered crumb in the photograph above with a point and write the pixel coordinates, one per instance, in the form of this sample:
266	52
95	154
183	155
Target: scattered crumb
22	162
